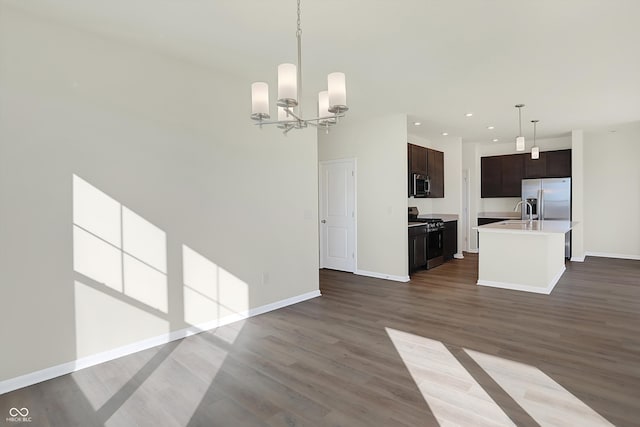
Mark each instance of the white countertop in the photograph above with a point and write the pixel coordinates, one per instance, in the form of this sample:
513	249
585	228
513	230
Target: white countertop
444	217
500	215
528	227
416	224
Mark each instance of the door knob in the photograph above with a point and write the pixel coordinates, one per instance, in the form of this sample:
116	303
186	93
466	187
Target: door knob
324	221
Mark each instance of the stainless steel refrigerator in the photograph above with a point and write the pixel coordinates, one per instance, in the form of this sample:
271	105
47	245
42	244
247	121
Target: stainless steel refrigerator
550	199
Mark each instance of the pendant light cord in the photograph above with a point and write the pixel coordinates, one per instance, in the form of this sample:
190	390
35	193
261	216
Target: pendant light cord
520	120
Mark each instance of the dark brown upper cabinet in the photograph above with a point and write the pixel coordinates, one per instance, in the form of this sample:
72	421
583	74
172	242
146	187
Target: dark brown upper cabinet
535	168
501	175
429	162
491	176
417	160
558	164
551	164
512	174
435	169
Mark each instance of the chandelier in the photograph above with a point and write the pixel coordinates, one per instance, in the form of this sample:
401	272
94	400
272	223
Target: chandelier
332	103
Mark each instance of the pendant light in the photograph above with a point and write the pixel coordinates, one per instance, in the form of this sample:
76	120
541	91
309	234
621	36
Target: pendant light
520	139
535	150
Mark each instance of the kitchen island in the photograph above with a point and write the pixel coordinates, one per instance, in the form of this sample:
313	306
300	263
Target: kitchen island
523	255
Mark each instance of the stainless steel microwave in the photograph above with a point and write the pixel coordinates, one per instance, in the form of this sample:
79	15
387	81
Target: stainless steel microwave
420	185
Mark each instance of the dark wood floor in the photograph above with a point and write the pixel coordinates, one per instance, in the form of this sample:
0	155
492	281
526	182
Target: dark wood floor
330	360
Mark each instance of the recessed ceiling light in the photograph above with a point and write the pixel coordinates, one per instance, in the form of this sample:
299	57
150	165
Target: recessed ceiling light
490	127
444	134
468	115
417	123
495	139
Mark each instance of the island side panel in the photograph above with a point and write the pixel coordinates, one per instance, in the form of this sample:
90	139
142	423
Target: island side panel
521	261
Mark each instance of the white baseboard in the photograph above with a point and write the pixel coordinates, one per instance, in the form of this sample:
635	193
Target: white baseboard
95	359
577	259
610	255
517	287
472	251
382	276
459	256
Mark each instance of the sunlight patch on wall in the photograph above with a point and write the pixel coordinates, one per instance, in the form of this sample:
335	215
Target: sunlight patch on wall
117	248
96	212
144	240
233	294
97	259
120	261
145	284
121	298
104	322
210	292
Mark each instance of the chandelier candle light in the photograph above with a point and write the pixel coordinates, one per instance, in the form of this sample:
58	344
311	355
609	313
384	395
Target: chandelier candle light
520	139
332	103
535	150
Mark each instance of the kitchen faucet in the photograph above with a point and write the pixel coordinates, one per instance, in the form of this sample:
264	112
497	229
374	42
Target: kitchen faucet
530	208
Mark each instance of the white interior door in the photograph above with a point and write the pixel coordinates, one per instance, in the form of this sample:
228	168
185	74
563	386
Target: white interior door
337	214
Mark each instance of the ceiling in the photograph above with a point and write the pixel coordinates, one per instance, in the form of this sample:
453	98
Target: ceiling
574	63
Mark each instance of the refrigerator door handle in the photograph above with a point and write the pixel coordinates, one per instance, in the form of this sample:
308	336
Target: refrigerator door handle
541	204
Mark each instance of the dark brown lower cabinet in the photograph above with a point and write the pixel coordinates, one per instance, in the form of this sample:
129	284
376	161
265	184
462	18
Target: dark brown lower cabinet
417	247
450	240
418	244
485	221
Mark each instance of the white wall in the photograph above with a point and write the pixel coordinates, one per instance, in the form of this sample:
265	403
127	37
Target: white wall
210	202
612	191
471	154
577	195
451	203
380	147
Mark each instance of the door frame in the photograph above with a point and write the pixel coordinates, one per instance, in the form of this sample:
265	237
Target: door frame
354	163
